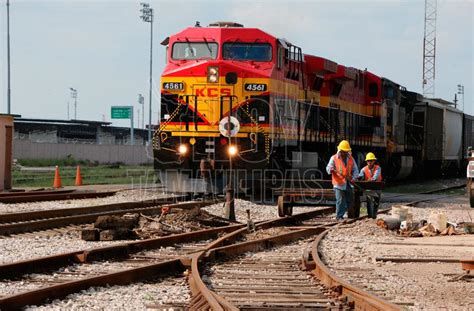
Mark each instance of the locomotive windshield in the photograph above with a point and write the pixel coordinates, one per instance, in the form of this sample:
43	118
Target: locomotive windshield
260	52
194	50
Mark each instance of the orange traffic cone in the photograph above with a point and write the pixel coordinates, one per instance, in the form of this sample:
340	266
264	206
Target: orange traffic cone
78	176
57	178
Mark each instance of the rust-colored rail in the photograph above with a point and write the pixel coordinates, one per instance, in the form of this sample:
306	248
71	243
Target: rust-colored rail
206	299
54	196
203	297
33	192
39	220
116	252
61	212
358	298
36	297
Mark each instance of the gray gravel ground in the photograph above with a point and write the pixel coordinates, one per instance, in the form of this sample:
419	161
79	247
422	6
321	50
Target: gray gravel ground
350	252
258	212
139	296
23	248
119	197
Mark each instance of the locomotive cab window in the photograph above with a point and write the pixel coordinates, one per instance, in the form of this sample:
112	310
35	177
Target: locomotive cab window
194	50
373	89
260	52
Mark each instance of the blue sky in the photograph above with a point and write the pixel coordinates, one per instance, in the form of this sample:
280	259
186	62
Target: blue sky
101	48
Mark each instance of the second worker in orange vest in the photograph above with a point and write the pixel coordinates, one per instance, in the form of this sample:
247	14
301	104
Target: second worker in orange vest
371	172
343	170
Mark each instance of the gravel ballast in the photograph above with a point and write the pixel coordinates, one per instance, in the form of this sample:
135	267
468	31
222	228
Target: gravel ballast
139	296
350	251
258	212
119	197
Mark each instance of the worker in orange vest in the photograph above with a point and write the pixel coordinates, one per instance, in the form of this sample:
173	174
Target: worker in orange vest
371	172
343	170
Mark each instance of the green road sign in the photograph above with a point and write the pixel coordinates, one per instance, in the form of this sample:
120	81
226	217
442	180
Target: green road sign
121	112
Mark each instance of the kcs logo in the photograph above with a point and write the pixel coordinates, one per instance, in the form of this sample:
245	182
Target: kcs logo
213	92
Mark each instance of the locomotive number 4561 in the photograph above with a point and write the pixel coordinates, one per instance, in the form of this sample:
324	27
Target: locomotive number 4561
255	87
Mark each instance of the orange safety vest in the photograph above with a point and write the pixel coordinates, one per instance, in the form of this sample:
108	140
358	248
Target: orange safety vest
342	172
368	174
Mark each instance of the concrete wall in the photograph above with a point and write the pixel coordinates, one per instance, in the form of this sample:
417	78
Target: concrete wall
24	149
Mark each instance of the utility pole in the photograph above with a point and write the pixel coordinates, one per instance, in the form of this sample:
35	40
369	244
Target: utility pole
429	48
147	17
9	91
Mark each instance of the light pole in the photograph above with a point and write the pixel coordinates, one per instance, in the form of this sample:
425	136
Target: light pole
147	17
461	92
141	101
74	95
9	91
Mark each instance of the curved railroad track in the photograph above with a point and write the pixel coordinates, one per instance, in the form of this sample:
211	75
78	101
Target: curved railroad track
55	277
268	279
221	263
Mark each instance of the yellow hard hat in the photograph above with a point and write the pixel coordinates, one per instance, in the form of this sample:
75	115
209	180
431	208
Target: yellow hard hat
344	146
370	157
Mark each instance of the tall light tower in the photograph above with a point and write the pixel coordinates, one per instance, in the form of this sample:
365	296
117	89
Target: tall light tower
147	17
429	48
461	92
141	101
74	96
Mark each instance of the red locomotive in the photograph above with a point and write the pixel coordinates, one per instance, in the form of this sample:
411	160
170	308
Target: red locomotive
283	110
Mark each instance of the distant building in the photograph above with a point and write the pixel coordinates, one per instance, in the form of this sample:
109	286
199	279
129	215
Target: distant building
83	140
75	132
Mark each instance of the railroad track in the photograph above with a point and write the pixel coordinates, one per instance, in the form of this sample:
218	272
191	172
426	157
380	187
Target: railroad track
15	223
53	195
421	196
35	281
234	271
56	276
270	279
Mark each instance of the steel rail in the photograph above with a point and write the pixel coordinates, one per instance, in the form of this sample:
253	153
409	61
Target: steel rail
51	213
55	196
36	297
41	224
358	298
49	263
203	297
122	251
33	192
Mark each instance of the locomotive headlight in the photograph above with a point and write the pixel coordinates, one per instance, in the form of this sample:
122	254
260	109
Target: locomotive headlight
232	150
182	149
212	74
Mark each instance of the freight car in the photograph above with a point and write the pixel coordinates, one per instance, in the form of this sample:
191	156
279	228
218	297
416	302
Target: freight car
442	136
240	96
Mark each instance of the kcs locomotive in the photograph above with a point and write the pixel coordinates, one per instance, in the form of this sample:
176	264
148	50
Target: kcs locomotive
234	93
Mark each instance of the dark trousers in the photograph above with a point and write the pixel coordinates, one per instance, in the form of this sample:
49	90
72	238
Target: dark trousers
373	201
